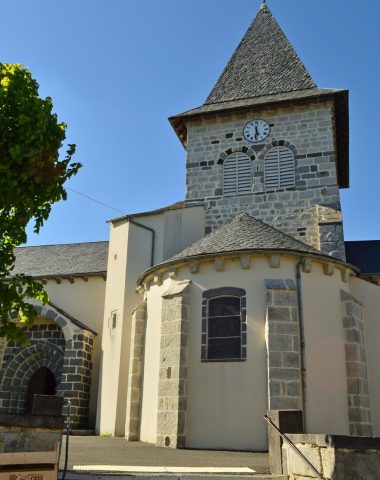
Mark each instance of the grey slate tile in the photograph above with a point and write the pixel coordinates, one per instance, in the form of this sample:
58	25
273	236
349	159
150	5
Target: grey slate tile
243	232
264	63
66	259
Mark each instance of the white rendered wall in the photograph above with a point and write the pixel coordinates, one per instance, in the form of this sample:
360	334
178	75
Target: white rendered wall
83	300
325	363
174	230
112	342
369	295
148	427
226	400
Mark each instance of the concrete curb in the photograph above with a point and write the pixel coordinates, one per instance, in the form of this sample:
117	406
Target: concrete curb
72	475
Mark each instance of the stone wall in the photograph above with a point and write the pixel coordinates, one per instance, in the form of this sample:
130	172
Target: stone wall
283	346
59	345
132	428
46	349
306	130
359	407
334	457
30	433
76	377
172	387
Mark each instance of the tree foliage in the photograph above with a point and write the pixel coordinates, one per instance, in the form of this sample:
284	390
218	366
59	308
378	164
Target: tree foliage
32	178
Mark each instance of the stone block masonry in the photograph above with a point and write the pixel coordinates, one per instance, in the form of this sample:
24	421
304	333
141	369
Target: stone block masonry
334	457
308	131
172	387
66	352
359	407
283	346
135	374
76	376
46	349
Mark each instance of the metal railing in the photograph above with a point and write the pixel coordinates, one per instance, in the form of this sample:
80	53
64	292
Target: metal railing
294	448
68	429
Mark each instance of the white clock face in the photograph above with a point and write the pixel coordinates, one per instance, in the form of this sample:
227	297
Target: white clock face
256	130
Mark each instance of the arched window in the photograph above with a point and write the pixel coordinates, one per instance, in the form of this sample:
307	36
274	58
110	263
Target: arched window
237	174
279	168
224	328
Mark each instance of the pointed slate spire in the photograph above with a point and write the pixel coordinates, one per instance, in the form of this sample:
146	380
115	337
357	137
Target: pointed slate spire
264	63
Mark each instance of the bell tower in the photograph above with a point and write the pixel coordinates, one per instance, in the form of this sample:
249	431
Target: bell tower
269	142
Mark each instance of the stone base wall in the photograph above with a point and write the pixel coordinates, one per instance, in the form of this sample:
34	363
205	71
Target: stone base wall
172	387
359	407
283	346
334	457
30	433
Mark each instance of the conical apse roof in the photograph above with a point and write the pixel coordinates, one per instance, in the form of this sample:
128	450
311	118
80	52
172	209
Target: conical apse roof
265	63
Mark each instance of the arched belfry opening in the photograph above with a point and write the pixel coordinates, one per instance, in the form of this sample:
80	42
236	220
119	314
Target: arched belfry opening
42	382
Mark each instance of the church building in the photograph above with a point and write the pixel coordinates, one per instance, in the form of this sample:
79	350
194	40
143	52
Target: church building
196	319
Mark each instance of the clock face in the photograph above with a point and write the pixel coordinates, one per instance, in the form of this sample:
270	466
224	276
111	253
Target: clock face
256	130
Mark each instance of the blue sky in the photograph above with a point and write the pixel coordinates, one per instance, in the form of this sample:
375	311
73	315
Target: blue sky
116	69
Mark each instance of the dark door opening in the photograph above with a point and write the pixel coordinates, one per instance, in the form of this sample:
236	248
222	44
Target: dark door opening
43	383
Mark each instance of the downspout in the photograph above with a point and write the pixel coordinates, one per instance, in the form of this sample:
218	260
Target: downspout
152	231
301	331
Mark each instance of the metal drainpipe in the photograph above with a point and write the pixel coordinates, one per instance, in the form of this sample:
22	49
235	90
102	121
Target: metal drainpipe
152	231
302	341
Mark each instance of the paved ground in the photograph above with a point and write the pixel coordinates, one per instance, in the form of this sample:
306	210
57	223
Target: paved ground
117	451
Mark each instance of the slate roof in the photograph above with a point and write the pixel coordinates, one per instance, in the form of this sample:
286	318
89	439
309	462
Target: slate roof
264	63
241	234
62	260
364	254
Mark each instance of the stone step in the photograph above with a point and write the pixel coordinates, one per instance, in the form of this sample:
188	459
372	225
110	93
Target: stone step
82	433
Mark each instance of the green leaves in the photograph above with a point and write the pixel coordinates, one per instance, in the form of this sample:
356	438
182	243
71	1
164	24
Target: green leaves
31	179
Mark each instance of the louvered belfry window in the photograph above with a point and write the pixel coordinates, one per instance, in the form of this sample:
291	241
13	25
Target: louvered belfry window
279	168
237	174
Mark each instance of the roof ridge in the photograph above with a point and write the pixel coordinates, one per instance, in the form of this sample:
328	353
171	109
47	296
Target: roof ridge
263	63
362	241
62	244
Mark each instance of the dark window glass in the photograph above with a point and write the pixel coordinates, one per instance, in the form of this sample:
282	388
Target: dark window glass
224	348
223	306
224	326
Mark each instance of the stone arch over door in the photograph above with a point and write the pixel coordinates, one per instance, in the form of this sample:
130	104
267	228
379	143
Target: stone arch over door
65	347
20	370
43	382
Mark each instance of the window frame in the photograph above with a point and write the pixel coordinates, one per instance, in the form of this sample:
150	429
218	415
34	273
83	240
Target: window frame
224	292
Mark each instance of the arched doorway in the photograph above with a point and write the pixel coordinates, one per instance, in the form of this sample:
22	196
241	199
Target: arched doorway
43	382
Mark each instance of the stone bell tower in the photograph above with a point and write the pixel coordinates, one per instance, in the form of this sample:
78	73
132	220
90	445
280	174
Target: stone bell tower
269	142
